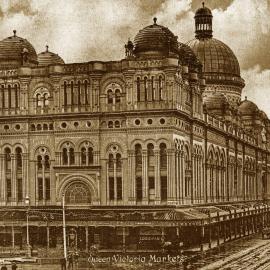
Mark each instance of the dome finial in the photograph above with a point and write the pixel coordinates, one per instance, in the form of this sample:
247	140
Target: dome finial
155	20
245	97
203	4
14	33
47	48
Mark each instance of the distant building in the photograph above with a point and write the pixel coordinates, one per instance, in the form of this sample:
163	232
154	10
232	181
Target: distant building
149	148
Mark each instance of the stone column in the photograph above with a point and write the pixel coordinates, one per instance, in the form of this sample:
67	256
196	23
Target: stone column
13	172
131	176
171	176
86	237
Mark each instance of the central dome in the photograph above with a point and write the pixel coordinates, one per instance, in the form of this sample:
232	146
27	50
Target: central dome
155	40
15	51
218	60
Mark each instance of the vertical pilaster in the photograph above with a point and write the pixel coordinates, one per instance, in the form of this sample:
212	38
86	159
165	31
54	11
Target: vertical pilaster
157	176
145	177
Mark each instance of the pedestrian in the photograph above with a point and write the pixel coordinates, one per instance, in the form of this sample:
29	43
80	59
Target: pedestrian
14	266
63	262
4	267
70	261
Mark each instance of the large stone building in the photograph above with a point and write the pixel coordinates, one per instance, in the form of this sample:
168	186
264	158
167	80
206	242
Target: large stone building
154	146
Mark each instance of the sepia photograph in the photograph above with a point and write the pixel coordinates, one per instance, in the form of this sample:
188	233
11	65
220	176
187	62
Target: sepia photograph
134	134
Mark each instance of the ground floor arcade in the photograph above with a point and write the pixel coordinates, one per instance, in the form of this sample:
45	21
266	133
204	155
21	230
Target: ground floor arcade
130	230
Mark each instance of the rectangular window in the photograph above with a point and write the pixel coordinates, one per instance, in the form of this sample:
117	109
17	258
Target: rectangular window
40	188
139	194
119	188
9	193
163	187
151	182
19	190
111	188
47	188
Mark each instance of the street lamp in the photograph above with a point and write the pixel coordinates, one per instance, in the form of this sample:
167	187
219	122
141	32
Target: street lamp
27	202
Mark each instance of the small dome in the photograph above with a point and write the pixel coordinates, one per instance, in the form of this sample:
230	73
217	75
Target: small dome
264	115
203	11
155	40
15	50
215	101
247	107
49	58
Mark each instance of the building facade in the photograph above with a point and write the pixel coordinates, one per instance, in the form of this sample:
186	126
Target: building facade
143	149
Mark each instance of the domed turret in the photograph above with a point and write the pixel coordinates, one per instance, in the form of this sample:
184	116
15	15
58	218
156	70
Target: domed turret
220	65
203	22
49	58
248	108
16	51
155	40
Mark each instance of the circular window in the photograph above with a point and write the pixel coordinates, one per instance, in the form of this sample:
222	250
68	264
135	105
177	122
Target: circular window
64	125
149	121
6	127
162	121
88	124
17	127
137	122
76	124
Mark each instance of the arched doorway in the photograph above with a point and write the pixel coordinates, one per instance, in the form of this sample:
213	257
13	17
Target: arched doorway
77	193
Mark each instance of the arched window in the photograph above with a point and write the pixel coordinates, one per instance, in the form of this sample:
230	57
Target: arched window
18	152
45	127
33	127
47	162
117	96
79	93
78	193
110	124
117	124
38	100
160	86
110	96
65	93
51	126
86	92
72	93
16	96
138	89
153	88
90	156
83	156
65	156
138	156
118	161
3	96
163	155
71	156
111	161
145	88
9	96
7	158
46	99
39	127
39	162
139	190
150	155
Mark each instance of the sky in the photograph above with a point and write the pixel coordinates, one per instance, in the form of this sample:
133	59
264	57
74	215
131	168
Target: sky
87	30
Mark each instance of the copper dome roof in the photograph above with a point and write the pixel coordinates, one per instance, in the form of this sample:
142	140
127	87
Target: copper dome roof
47	58
154	39
216	57
247	107
11	49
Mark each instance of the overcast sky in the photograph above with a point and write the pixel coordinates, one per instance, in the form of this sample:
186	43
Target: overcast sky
85	30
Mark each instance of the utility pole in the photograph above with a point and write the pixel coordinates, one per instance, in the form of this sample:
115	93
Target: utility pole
64	228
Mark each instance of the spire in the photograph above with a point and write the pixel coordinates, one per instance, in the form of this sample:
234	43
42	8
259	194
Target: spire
47	48
203	22
155	20
14	33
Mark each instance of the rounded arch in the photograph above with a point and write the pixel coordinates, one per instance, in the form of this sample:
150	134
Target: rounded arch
87	181
109	79
41	150
21	146
63	143
83	143
6	145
